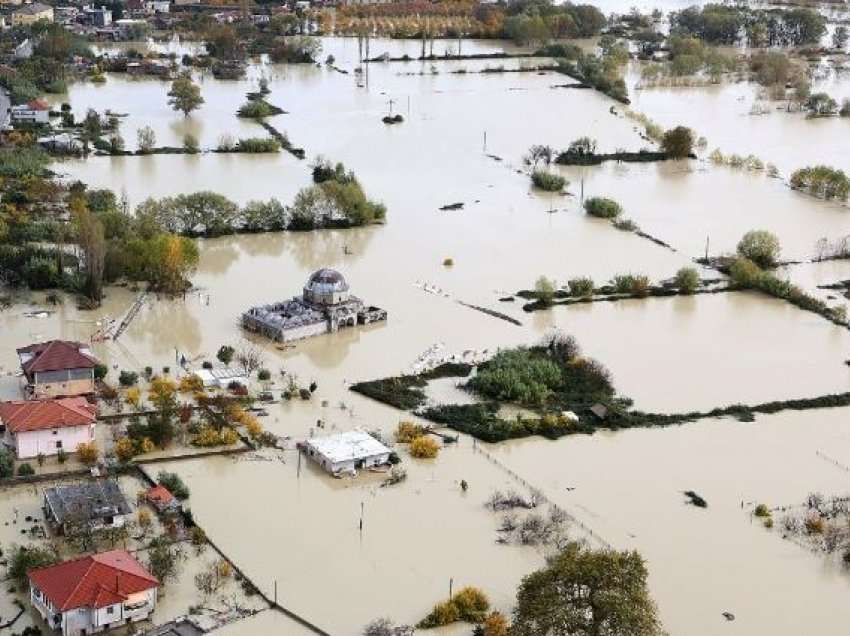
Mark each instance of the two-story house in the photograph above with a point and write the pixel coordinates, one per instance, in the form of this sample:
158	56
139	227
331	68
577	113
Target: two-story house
93	593
58	368
46	427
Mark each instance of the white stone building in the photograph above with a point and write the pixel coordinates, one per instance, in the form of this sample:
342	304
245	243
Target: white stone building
347	452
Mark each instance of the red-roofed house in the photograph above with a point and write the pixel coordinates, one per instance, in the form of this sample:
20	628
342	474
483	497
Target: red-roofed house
58	368
161	498
93	593
44	427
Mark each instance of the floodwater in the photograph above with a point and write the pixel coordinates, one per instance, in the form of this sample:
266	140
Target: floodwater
670	355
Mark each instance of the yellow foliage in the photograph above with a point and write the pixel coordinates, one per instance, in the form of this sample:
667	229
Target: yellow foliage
208	436
424	447
88	453
471	603
191	384
254	428
144	518
408	431
228	436
133	396
162	390
125	449
495	625
223	569
146	445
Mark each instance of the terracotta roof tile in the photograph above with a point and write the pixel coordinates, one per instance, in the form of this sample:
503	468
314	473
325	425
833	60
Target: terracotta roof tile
34	415
93	581
56	355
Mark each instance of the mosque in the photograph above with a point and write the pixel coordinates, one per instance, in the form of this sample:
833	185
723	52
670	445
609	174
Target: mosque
325	306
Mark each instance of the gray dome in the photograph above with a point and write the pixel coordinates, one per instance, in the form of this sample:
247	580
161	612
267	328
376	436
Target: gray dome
326	281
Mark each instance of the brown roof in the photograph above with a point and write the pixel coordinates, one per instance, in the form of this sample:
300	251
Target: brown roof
34	415
94	581
56	355
159	495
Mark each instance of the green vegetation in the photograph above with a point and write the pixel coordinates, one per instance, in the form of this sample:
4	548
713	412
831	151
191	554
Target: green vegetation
23	558
548	181
761	247
539	22
258	109
822	181
406	392
580	287
689	56
185	95
602	208
7	463
634	284
258	144
469	604
687	280
174	484
586	592
678	142
545	290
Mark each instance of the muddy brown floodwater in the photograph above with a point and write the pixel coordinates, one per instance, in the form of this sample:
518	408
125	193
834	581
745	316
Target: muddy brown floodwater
669	354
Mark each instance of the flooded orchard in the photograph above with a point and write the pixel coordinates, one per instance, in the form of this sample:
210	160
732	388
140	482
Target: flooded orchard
465	232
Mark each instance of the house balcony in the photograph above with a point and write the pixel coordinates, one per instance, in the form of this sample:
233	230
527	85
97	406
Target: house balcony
138	611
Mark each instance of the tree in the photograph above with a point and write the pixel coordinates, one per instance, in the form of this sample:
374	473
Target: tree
761	247
163	393
185	95
146	138
163	558
249	357
24	558
7	463
191	145
424	447
545	290
687	280
602	207
386	627
174	484
821	104
585	592
495	625
678	142
90	236
840	37
225	354
88	453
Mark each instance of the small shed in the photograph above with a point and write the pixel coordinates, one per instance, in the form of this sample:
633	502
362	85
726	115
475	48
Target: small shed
347	452
161	499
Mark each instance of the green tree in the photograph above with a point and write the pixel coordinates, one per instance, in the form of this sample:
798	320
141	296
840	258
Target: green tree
585	592
602	207
225	354
146	138
761	247
190	144
687	280
545	290
678	142
185	95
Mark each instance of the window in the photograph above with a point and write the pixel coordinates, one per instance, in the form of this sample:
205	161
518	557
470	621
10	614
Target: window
54	432
110	609
58	443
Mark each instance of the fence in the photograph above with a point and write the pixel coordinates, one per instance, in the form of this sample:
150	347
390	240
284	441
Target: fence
542	497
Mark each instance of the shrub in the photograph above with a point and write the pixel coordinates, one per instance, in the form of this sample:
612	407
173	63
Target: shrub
687	280
88	453
191	145
100	371
581	287
174	484
133	396
128	378
444	613
190	384
264	375
225	354
545	290
518	376
625	225
125	449
762	511
602	208
744	272
25	470
448	262
258	144
495	624
678	142
548	181
7	463
424	447
468	604
822	181
257	109
761	247
406	432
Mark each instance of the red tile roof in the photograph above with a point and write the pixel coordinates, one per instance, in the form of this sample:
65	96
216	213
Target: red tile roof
39	104
56	355
93	581
159	495
34	415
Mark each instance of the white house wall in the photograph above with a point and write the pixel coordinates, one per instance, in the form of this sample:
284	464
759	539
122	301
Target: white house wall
29	444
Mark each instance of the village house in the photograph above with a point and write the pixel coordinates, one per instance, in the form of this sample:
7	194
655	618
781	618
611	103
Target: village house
325	306
161	499
58	368
93	593
98	16
345	453
36	112
46	427
86	506
27	14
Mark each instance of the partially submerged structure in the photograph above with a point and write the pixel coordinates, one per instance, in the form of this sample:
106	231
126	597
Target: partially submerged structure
86	506
325	306
47	427
222	377
57	368
347	452
93	593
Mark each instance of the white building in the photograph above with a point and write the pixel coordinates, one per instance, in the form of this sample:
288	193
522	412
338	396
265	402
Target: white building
93	593
44	427
37	112
221	377
347	452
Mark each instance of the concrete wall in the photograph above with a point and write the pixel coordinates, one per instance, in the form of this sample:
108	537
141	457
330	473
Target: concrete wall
30	443
58	387
306	331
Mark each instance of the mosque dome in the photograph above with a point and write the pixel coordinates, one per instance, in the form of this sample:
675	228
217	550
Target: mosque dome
326	286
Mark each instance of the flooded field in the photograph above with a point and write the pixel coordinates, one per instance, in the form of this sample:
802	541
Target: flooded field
463	141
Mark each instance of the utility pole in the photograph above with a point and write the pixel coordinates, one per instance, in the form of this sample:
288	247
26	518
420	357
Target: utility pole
485	141
391	102
451	584
361	517
299	461
275	591
707	239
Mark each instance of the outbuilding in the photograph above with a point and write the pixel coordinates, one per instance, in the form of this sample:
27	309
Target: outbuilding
347	452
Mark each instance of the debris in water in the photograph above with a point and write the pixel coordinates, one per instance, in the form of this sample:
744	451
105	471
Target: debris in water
695	499
452	206
729	616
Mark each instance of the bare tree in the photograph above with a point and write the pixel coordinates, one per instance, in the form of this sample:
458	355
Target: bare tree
249	357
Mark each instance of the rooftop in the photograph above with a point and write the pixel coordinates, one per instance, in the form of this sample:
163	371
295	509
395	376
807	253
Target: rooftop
93	581
34	415
87	500
326	280
347	446
32	9
55	355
